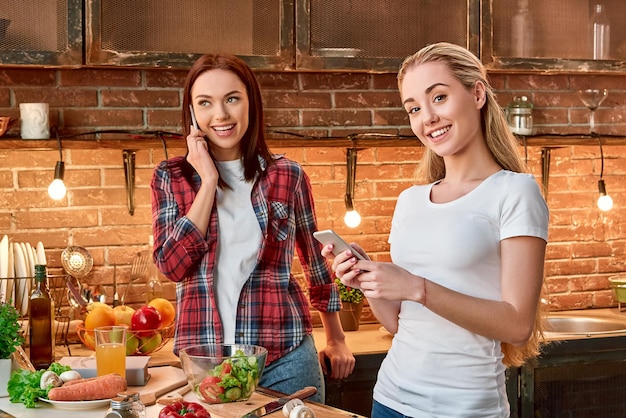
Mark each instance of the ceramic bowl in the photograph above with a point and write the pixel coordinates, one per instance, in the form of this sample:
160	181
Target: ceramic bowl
223	373
618	283
5	122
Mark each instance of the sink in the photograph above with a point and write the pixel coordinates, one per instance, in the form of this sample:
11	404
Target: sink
584	325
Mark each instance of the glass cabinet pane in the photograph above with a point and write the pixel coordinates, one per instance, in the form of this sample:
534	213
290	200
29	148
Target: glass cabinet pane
176	32
378	35
557	34
47	32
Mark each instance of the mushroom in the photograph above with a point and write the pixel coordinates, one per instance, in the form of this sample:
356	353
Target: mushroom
301	411
70	375
50	378
290	405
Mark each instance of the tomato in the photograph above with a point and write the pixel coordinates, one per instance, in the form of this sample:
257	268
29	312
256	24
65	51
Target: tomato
182	409
210	389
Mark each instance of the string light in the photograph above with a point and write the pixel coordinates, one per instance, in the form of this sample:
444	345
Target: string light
352	219
57	189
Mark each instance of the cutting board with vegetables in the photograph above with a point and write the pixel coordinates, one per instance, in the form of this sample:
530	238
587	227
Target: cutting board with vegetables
238	409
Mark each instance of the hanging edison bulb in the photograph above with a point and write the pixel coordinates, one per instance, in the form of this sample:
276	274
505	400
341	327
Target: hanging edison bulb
605	202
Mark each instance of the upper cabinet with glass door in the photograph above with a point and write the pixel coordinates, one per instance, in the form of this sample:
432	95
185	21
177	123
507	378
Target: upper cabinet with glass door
555	35
354	35
376	35
174	33
41	32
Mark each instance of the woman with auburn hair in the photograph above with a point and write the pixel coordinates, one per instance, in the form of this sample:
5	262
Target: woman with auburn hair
227	219
462	293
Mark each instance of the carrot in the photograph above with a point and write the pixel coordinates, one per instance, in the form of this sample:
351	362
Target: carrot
73	382
102	387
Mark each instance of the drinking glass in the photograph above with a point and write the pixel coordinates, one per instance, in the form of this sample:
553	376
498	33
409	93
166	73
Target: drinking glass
111	350
592	98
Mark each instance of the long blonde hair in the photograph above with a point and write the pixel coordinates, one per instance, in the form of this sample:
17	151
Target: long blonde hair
468	69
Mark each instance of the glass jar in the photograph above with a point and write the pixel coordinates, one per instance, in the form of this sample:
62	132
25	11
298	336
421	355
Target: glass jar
519	116
126	405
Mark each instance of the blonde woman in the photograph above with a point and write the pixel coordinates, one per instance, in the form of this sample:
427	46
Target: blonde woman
468	245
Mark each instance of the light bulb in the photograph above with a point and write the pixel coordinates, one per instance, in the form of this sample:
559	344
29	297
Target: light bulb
57	189
605	203
352	219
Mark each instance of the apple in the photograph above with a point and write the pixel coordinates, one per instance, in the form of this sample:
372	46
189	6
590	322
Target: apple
145	318
123	314
132	343
150	343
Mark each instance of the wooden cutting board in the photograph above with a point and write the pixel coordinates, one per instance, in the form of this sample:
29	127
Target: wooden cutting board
162	380
238	409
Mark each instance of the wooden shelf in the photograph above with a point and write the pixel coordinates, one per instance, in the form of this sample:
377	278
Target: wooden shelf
368	141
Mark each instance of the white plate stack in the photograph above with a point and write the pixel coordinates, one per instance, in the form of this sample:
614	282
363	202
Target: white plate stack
17	270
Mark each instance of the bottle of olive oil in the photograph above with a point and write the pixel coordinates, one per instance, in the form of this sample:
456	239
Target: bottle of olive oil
41	321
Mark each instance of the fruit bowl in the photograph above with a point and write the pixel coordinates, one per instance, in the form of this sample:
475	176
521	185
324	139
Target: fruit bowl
223	373
138	343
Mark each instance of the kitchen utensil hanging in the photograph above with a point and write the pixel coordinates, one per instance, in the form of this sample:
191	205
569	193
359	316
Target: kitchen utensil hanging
77	263
137	271
129	175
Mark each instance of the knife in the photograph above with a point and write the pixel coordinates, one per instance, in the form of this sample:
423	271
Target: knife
273	406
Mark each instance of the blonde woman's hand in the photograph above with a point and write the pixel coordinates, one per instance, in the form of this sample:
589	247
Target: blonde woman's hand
343	264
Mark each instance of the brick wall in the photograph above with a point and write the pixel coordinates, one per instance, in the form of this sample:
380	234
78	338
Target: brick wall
586	246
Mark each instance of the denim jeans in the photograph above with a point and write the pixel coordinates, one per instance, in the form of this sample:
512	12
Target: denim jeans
297	369
381	411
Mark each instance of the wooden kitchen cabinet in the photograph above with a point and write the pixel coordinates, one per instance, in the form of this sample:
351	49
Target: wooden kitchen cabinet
174	33
559	35
41	32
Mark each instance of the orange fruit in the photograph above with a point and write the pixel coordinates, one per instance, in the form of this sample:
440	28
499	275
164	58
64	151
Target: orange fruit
166	309
99	317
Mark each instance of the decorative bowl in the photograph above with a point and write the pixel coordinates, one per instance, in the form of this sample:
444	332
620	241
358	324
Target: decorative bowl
618	283
5	122
223	373
138	343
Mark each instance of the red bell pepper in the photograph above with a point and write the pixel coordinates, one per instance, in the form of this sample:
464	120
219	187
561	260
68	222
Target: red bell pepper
182	409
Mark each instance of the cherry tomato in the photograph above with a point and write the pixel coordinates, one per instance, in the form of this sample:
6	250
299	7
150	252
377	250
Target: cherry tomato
182	409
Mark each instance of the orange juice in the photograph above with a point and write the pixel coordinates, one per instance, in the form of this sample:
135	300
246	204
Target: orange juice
111	358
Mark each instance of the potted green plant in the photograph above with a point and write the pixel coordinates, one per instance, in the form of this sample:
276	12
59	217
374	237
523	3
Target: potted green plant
352	305
11	337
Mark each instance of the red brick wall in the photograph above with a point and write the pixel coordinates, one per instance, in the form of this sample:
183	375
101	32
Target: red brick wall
586	246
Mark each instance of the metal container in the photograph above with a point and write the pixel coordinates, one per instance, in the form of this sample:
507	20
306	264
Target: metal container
519	116
618	283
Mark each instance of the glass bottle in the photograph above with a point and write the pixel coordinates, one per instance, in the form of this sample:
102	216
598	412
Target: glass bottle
522	31
600	33
154	288
41	321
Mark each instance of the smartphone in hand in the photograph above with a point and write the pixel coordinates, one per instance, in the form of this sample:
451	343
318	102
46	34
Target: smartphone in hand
329	236
194	122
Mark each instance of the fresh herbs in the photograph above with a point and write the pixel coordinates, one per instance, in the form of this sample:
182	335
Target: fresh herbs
23	386
348	294
11	334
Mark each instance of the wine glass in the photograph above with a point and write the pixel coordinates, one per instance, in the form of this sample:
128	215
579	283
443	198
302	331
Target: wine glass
592	98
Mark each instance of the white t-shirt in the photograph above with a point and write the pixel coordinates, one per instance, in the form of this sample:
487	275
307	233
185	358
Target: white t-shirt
434	367
239	240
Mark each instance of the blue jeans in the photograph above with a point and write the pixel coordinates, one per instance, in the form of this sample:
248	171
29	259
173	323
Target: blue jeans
295	370
381	411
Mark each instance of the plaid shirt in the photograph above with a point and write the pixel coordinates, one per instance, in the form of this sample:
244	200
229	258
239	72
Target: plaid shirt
273	311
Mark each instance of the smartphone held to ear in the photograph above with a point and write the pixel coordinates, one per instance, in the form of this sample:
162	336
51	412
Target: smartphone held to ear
194	122
329	236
